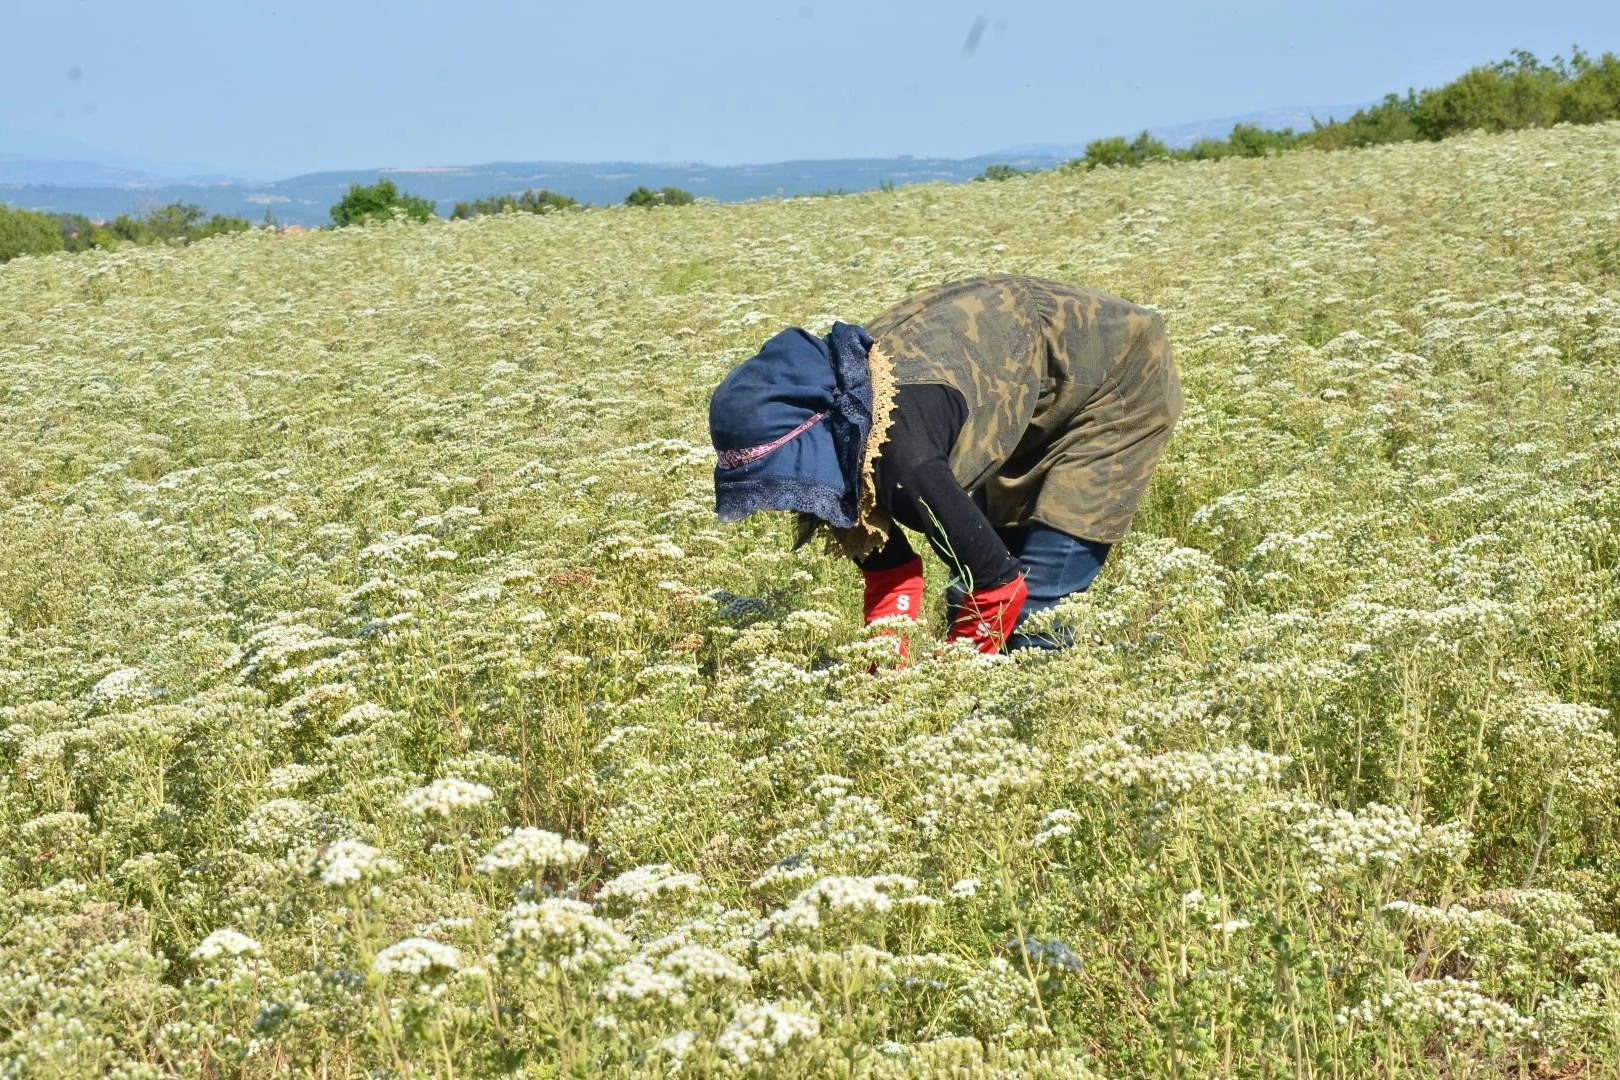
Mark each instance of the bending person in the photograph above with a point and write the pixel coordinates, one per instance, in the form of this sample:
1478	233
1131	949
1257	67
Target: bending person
1013	421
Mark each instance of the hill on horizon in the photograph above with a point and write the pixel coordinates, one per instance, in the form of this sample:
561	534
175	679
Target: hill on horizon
100	189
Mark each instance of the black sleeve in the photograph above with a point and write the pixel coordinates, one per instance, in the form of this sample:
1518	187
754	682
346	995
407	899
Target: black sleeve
915	484
897	552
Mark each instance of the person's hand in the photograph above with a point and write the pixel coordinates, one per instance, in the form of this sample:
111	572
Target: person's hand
895	592
987	617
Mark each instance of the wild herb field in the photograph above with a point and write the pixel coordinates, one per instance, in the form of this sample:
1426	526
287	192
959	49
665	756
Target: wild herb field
381	696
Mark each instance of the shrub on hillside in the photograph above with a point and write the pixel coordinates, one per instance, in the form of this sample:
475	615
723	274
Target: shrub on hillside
1521	92
664	196
1390	121
544	201
176	223
1001	172
24	232
1512	94
377	202
78	232
187	221
1117	151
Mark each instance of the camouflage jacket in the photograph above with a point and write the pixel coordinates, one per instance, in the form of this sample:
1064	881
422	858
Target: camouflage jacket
1071	395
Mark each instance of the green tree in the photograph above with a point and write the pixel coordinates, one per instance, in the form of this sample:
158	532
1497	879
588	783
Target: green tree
187	221
1118	151
1000	172
175	221
543	201
378	202
77	232
1111	151
1145	148
1206	150
125	229
24	232
664	196
220	225
1522	92
1593	92
1389	121
1248	140
1516	93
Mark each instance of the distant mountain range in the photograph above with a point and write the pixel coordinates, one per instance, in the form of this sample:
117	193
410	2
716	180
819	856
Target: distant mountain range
307	200
63	175
26	157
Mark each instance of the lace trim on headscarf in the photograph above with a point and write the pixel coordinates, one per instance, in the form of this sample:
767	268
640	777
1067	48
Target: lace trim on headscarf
872	524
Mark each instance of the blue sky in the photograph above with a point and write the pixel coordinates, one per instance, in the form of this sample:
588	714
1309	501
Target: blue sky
280	87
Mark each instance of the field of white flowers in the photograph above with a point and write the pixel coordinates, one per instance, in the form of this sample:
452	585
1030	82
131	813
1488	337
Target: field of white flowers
378	693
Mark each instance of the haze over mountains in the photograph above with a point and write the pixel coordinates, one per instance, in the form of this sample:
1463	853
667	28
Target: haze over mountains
64	175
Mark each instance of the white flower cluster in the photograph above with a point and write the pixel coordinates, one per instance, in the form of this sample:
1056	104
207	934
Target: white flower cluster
975	767
399	549
994	1002
557	934
1055	826
842	903
344	863
532	851
770	676
1299	549
122	687
279	824
1599	954
225	945
285	778
811	621
848	832
673	978
966	1056
418	957
764	1030
445	797
643	887
1552	922
1340	842
1442	630
282	645
1231	770
638	982
1455	1006
1194	713
1454	926
1583	1016
703	966
785	876
1169	586
674	1048
1565	739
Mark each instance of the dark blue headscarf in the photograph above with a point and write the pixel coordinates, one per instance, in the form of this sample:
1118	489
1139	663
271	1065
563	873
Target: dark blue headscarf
790	426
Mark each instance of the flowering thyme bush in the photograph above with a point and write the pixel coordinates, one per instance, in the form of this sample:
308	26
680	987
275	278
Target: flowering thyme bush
378	693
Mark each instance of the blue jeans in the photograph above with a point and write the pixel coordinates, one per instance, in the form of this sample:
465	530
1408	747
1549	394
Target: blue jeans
1056	565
